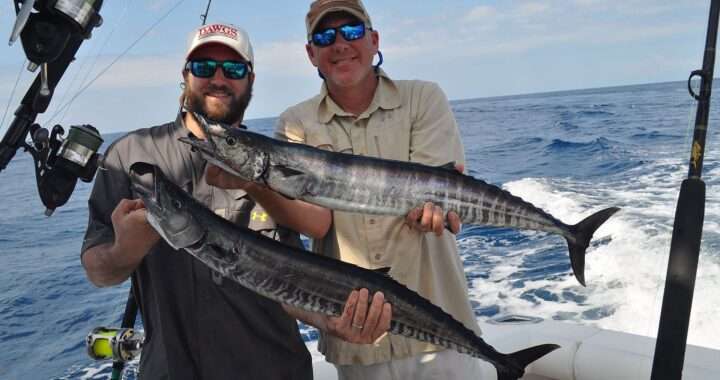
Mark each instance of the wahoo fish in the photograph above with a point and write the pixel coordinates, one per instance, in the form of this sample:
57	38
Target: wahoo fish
303	279
372	185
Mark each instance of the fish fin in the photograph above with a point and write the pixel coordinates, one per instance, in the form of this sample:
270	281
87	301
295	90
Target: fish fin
286	171
449	166
583	232
521	359
385	271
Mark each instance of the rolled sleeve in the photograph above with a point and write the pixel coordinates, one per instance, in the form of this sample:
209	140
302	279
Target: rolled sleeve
111	185
289	128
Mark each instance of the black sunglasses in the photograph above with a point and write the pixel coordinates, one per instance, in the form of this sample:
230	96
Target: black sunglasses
206	68
350	32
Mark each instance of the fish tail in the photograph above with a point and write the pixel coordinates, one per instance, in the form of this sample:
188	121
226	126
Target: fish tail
521	359
582	233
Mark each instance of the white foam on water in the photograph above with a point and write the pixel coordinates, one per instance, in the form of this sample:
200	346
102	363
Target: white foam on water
625	273
314	352
91	372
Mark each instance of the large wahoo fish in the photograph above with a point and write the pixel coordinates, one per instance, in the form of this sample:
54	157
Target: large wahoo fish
378	186
303	279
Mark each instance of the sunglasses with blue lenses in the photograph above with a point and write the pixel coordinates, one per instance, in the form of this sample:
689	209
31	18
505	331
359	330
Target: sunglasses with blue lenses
205	68
350	32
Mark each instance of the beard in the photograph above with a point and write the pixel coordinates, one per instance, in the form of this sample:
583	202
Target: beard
229	113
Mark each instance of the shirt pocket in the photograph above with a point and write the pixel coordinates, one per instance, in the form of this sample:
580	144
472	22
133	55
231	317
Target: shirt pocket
389	138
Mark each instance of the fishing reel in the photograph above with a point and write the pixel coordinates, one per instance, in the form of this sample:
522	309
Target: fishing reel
46	28
120	345
51	32
45	31
59	162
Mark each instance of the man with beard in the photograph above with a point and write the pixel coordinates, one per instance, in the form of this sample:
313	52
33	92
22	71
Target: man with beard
197	324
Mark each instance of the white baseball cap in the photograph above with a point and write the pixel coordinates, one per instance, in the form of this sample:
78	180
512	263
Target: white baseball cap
226	34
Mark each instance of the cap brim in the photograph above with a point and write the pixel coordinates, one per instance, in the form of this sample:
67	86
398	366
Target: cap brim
338	9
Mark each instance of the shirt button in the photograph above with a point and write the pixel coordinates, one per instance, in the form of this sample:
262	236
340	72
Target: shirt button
371	221
378	256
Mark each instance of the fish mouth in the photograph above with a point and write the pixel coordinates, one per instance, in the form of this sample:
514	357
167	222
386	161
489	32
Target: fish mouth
144	183
166	209
209	153
212	130
210	127
143	178
203	146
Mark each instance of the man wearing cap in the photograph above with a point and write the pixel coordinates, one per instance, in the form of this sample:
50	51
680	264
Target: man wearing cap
199	325
360	110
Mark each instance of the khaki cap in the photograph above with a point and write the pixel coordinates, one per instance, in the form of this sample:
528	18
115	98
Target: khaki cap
320	8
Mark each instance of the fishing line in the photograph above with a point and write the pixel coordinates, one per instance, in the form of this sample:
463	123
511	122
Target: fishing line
95	59
12	93
104	70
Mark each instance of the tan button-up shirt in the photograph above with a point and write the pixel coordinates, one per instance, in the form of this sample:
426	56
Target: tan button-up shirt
407	121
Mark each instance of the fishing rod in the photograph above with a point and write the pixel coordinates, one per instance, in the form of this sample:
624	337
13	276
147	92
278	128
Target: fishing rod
207	10
51	36
687	230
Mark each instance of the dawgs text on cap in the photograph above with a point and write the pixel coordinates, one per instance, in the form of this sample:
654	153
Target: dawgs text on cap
229	35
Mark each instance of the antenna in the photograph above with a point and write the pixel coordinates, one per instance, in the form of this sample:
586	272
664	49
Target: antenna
204	15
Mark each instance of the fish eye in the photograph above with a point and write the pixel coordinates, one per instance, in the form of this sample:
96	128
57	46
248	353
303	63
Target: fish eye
231	140
177	204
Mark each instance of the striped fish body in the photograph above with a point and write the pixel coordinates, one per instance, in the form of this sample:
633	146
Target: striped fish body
371	185
302	279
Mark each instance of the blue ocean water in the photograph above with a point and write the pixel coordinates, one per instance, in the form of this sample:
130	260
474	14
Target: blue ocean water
570	153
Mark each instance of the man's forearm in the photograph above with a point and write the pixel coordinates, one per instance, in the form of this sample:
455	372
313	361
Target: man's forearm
303	217
104	267
316	320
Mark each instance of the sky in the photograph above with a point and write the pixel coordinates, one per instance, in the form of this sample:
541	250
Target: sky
472	49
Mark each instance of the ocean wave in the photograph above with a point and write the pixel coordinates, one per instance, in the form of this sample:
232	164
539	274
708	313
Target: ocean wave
654	136
598	145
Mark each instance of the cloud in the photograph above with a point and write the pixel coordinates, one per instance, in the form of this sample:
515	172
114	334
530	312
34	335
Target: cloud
156	5
283	58
634	7
481	14
136	71
532	9
519	27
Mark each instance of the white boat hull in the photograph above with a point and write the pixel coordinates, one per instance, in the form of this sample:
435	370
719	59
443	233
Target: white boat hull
586	353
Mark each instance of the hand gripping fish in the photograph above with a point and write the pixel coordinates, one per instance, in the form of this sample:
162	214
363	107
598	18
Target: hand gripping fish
303	279
372	185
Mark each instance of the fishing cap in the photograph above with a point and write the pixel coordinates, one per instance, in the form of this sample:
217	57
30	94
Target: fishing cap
226	34
320	8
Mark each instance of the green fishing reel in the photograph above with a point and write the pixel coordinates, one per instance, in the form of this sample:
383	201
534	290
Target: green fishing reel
120	345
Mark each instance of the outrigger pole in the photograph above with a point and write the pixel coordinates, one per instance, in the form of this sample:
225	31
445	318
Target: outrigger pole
207	10
687	230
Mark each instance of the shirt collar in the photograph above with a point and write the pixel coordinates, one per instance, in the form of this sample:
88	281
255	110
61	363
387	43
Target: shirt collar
387	97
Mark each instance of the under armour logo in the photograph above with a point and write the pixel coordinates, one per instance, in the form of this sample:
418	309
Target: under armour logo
263	216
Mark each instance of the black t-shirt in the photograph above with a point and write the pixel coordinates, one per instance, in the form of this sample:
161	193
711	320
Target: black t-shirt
198	325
